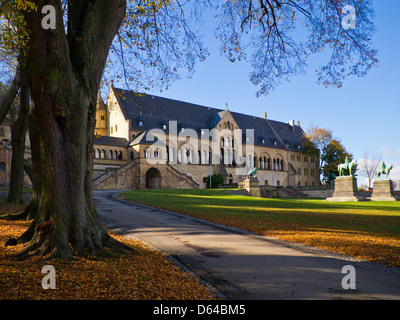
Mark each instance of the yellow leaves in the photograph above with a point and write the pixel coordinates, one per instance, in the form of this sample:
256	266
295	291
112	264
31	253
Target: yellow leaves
366	231
25	5
108	275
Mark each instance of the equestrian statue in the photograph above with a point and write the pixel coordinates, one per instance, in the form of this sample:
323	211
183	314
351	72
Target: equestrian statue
383	170
347	165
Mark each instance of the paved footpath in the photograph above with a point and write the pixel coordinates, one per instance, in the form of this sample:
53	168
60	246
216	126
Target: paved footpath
243	265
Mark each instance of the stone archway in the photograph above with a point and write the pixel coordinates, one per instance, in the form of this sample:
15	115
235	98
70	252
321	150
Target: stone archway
153	179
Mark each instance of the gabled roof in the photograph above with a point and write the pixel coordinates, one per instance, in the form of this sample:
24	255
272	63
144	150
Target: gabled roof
109	141
145	138
155	111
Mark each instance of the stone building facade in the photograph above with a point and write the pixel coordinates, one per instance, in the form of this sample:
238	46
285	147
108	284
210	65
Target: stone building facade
145	141
5	164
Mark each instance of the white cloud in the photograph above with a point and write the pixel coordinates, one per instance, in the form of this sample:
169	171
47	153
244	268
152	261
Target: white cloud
387	152
395	173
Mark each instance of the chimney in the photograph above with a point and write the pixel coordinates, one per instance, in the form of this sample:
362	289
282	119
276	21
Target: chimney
291	123
265	115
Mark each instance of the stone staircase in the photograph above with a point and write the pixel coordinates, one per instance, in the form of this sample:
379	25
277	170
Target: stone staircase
109	179
283	192
296	193
182	176
265	194
119	178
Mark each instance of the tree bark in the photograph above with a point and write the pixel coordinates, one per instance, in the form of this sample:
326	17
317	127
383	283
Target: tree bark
18	133
9	98
64	73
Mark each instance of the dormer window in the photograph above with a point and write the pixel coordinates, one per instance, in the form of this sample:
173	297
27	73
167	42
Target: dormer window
274	143
164	126
183	129
141	123
263	140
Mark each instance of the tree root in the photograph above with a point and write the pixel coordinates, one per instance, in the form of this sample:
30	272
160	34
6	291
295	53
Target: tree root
28	214
40	244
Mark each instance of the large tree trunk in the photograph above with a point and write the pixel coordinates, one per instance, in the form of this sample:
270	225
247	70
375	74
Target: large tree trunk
9	98
64	72
18	133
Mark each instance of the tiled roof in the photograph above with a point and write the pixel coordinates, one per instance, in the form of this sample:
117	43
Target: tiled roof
110	141
155	111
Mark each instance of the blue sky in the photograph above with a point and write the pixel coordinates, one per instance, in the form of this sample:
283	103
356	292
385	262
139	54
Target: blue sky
364	114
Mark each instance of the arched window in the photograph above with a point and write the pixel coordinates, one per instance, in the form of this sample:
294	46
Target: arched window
281	164
189	154
269	164
120	155
103	154
180	156
228	160
115	155
203	157
132	155
97	154
109	154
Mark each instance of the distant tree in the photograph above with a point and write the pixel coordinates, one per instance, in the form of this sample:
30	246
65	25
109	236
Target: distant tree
216	179
317	139
368	166
333	154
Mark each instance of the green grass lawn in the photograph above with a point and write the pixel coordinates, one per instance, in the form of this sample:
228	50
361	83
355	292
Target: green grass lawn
367	230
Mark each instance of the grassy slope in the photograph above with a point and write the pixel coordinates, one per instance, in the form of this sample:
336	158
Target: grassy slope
367	230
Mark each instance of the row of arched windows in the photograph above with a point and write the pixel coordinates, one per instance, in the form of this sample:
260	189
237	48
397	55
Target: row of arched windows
109	154
268	164
227	157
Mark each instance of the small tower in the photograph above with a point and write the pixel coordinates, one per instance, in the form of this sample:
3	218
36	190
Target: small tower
101	117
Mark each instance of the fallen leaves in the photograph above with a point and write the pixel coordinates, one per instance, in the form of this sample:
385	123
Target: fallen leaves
109	275
368	231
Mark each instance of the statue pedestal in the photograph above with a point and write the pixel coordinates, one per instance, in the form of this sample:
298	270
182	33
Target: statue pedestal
346	190
252	185
383	191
